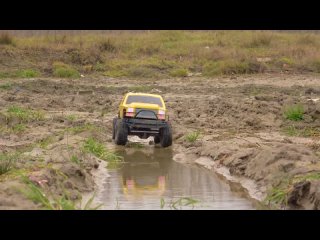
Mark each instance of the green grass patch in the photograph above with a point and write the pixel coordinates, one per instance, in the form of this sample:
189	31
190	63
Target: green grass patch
27	73
315	66
136	145
278	196
286	61
51	202
98	149
107	45
294	112
179	203
75	159
24	114
4	75
44	143
302	132
115	73
19	128
140	88
262	39
291	131
227	67
81	128
308	177
64	71
141	72
193	136
15	129
71	117
5	86
8	161
179	73
6	39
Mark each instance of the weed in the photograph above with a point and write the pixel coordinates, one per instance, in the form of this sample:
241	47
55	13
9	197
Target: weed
140	88
307	39
81	128
71	118
19	128
315	65
260	40
181	202
310	176
27	73
278	196
179	72
64	71
232	67
75	159
107	46
286	61
7	161
141	71
193	136
44	143
6	39
294	112
24	115
37	195
136	145
291	131
6	86
99	150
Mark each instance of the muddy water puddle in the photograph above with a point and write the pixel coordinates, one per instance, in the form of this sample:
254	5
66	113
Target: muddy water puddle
150	179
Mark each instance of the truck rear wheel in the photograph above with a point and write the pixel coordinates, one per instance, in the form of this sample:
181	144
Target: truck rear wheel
166	136
156	139
121	132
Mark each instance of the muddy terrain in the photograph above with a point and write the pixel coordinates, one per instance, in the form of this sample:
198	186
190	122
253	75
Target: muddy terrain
239	126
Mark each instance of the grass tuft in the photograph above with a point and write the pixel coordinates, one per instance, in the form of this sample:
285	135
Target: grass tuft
64	71
7	161
193	136
294	112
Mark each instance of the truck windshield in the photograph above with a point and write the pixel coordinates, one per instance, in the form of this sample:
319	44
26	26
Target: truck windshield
144	99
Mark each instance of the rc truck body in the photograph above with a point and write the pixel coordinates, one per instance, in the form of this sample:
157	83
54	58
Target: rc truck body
142	115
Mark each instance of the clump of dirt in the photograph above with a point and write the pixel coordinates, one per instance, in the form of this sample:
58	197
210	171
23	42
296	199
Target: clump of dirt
305	195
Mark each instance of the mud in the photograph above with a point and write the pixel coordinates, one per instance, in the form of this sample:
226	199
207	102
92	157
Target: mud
240	120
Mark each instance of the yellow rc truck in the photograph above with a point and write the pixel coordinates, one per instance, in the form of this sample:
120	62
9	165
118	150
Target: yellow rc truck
142	115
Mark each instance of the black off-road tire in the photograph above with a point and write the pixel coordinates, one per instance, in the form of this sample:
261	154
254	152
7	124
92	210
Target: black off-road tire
166	136
114	122
121	133
156	139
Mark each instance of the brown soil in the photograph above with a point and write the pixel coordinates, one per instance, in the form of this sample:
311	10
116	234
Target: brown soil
240	119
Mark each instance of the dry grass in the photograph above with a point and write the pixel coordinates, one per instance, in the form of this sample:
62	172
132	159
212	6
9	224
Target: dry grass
155	54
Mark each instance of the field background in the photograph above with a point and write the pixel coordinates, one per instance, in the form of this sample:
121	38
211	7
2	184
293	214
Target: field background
156	54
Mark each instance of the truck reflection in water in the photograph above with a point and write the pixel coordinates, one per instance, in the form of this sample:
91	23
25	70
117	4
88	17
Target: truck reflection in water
145	171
